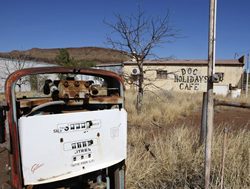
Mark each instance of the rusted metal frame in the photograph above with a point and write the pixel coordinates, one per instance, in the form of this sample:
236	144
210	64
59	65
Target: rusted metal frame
92	100
46	70
16	173
232	104
16	178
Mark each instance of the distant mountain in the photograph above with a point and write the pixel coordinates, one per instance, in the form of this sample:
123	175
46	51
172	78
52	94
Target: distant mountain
93	54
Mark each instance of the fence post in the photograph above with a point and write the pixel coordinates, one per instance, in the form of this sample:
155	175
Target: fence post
247	74
203	119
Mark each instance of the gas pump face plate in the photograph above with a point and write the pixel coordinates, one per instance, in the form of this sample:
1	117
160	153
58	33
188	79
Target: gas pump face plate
60	146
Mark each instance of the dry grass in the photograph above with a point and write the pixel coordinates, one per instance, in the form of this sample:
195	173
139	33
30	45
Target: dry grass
243	98
162	154
161	109
2	97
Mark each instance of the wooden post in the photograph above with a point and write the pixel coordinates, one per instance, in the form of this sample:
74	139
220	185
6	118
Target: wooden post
203	119
247	84
210	101
233	104
247	74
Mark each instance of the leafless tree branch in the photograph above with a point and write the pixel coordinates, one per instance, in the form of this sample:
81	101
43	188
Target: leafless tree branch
137	35
14	64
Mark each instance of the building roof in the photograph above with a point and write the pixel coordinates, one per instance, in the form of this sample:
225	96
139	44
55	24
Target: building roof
109	64
196	62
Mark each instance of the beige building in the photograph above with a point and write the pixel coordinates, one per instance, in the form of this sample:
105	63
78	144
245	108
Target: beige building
176	75
186	75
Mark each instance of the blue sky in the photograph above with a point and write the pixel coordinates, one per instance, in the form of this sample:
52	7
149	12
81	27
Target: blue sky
26	24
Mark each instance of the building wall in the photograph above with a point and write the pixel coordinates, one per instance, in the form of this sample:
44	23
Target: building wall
10	65
189	78
117	68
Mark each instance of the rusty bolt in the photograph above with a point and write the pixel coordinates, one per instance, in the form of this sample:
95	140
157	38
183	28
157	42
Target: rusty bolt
76	97
87	84
77	83
7	167
66	84
66	96
94	90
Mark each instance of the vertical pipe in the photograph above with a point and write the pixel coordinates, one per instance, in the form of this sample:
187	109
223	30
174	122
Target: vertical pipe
107	179
99	179
210	100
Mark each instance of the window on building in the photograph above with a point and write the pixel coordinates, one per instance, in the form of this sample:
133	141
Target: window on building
161	74
221	76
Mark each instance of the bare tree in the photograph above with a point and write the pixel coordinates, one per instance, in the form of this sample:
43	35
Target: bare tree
14	64
137	36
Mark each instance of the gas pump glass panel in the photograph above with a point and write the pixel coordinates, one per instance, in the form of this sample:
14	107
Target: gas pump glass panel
61	146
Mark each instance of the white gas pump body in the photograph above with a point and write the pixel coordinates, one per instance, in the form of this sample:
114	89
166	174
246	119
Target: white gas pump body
60	146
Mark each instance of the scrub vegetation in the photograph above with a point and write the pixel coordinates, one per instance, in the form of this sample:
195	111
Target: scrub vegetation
83	54
164	150
2	97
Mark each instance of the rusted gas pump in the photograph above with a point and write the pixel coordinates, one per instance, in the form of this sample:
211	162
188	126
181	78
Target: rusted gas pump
74	135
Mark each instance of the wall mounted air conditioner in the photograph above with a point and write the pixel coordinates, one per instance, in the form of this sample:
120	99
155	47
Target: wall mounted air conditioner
135	71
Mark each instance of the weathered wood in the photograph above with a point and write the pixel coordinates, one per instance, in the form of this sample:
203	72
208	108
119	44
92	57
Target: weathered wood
210	101
233	104
203	119
247	72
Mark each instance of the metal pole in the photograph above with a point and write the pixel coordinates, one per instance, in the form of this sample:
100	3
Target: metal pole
210	101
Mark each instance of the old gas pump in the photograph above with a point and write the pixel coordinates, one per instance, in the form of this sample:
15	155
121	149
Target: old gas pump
72	135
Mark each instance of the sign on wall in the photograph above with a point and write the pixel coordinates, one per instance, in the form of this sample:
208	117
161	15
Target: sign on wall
190	79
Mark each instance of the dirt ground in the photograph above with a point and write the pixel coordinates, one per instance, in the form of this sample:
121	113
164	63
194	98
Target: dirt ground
3	162
229	117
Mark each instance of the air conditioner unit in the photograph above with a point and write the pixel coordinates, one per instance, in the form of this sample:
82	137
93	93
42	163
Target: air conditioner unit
135	71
